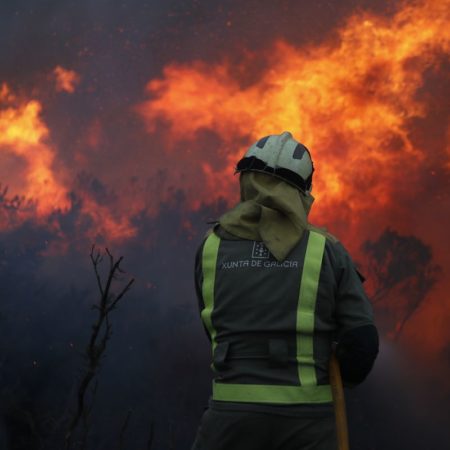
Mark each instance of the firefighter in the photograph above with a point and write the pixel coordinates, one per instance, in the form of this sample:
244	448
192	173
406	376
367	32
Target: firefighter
275	294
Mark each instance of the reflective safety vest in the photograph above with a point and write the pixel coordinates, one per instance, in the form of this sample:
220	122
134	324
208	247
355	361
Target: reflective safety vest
261	317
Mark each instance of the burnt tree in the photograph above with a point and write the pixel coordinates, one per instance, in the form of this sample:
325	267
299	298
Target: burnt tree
101	333
402	273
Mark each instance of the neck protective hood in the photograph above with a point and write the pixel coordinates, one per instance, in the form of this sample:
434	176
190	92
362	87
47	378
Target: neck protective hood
271	211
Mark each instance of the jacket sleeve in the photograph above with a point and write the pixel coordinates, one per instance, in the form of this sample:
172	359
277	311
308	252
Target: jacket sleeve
357	335
198	280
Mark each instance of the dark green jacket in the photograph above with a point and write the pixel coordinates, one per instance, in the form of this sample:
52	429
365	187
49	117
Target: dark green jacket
255	317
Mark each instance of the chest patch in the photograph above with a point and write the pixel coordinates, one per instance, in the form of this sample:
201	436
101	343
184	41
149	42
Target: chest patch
260	251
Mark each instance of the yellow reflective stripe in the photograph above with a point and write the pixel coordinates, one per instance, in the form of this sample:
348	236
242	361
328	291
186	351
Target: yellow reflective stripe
260	393
209	262
306	307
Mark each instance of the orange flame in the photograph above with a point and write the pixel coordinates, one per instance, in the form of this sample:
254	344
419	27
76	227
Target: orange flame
29	167
23	137
66	80
350	101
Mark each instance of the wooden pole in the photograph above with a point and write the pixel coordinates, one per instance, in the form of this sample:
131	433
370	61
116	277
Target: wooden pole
339	404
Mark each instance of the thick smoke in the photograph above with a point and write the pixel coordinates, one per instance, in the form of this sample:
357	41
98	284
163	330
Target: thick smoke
156	348
154	360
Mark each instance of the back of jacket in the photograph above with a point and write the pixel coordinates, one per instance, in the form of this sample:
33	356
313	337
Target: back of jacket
265	332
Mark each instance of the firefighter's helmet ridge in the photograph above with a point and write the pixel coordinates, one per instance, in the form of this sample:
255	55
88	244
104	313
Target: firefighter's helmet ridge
282	156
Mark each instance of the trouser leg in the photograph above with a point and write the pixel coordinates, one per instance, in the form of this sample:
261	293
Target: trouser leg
318	433
233	430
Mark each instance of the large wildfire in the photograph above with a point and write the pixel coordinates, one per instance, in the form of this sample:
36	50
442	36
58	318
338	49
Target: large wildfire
351	100
121	126
362	100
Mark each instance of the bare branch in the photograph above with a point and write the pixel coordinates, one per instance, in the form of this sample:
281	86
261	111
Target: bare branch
100	334
124	291
95	262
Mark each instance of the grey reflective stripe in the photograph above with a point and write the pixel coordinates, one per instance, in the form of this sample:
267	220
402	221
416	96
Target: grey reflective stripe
259	393
306	307
209	262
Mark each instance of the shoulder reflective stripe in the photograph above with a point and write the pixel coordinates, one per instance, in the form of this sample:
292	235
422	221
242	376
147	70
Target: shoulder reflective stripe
306	307
209	262
259	393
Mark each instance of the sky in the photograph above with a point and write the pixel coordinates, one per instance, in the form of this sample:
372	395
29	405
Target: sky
121	124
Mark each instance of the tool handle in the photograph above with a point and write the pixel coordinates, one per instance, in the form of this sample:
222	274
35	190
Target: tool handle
339	404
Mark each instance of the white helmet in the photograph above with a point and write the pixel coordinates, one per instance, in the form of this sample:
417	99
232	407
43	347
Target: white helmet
281	156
